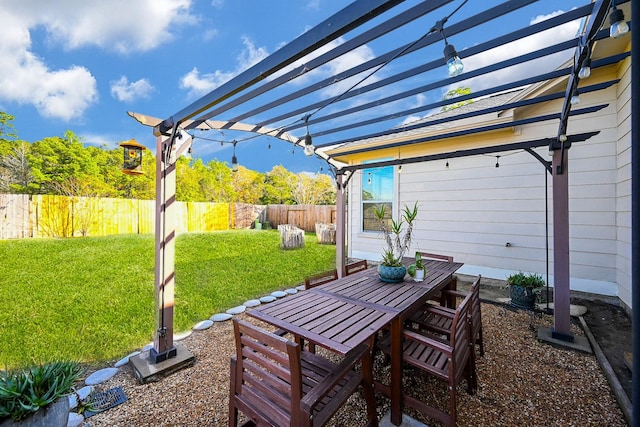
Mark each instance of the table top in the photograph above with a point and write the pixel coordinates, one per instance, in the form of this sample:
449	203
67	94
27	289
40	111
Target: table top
346	312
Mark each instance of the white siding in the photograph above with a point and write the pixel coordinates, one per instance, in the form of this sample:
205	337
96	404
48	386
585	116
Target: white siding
493	219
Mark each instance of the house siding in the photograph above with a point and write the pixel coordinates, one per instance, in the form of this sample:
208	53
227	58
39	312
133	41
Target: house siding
493	219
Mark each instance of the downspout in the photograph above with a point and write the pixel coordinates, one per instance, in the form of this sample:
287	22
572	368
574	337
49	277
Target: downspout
635	216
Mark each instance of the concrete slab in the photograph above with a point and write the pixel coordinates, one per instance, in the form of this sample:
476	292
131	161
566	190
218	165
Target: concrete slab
146	371
579	343
407	421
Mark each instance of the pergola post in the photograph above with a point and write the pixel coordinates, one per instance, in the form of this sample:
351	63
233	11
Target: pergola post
561	275
340	223
163	347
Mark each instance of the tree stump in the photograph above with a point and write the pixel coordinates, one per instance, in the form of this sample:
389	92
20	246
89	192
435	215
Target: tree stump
326	233
291	237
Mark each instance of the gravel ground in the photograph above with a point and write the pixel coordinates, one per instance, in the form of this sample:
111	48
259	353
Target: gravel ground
521	382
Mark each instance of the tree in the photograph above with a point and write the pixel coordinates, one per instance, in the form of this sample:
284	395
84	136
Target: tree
249	185
454	93
314	190
279	184
15	171
54	160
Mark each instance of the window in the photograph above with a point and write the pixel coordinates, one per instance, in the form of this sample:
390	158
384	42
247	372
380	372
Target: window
377	189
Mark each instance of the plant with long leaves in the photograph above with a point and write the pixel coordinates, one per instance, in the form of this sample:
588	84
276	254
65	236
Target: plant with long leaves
24	392
397	242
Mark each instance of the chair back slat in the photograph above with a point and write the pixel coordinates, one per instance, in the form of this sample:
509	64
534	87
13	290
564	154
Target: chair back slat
427	255
321	278
356	266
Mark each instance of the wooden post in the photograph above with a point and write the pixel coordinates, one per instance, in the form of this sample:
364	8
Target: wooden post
340	224
163	347
561	275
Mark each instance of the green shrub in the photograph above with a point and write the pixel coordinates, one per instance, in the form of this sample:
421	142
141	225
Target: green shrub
527	280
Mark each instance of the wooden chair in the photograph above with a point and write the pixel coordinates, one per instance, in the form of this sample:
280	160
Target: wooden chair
439	257
450	361
426	255
321	278
438	319
354	267
275	383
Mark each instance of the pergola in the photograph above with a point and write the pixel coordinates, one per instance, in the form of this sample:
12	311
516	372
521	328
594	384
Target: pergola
285	95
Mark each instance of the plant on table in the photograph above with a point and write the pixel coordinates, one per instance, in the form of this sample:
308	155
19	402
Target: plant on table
398	240
417	270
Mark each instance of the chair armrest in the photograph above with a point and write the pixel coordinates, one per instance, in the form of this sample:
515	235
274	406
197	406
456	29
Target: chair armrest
440	310
326	385
460	294
428	342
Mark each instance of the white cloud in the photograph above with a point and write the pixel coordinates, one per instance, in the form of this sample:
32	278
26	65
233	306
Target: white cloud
119	25
63	94
124	91
199	84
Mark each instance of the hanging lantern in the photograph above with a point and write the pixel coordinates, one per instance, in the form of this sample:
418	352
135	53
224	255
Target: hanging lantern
132	164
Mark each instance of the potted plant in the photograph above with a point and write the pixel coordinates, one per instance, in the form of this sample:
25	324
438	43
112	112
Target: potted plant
417	270
391	268
524	288
37	396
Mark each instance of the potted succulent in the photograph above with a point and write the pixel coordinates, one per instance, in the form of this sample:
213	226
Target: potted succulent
524	288
417	270
391	268
37	396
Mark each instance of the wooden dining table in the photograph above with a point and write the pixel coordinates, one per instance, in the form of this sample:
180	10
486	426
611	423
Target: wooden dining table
349	311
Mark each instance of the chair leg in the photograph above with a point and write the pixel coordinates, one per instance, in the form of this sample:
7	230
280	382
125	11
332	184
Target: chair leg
452	406
480	342
233	411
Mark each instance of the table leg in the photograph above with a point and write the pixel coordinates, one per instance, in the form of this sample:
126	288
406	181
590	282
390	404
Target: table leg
369	393
396	371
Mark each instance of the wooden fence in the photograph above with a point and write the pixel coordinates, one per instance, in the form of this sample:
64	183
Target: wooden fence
302	216
23	216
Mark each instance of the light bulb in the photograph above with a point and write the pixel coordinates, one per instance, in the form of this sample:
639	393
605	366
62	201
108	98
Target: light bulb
454	63
575	98
308	145
585	70
619	26
234	163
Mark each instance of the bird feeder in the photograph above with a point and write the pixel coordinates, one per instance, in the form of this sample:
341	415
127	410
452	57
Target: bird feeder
132	164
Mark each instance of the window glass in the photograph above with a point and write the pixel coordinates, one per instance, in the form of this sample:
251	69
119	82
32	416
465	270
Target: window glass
377	190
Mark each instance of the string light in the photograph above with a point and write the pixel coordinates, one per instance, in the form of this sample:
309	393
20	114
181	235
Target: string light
585	70
447	164
497	161
308	142
619	26
234	159
575	97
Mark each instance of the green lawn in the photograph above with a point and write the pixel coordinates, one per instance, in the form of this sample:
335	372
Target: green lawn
92	299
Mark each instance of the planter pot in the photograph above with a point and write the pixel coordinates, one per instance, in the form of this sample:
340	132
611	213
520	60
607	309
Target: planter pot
523	297
391	274
53	415
419	275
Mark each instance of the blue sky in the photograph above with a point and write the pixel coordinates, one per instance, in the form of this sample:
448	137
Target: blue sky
80	66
